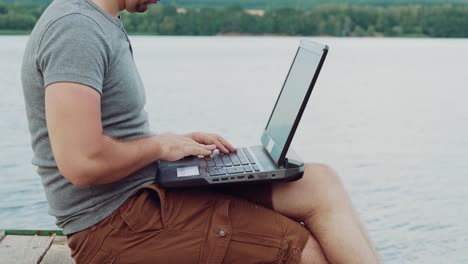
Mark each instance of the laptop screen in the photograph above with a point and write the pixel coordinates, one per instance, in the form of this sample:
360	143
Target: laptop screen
293	97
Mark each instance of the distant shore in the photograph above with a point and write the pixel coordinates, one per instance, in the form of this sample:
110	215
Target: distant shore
231	34
338	20
14	32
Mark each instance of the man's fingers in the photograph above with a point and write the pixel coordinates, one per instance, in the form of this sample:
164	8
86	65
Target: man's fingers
204	138
203	146
194	142
226	144
200	151
211	139
221	147
222	144
210	147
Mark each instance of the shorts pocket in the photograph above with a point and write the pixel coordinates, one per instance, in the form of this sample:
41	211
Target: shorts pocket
246	247
142	212
77	239
103	257
89	244
259	239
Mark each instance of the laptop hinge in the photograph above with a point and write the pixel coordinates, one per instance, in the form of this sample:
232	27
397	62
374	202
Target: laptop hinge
291	163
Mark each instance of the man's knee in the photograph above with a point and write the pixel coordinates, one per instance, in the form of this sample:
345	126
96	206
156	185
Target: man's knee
319	190
323	186
321	176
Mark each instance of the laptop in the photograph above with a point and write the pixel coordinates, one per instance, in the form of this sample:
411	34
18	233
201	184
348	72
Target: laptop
273	160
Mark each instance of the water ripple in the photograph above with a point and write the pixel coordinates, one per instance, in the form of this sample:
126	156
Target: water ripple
402	159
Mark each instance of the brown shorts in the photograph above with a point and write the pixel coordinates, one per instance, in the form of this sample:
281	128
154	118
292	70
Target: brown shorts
193	226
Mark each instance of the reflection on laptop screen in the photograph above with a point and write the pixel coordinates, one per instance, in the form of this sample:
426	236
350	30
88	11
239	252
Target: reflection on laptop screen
292	96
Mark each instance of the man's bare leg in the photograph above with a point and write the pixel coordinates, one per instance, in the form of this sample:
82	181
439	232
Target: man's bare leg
313	253
321	202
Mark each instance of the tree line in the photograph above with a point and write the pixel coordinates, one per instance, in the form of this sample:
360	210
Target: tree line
271	4
327	19
332	20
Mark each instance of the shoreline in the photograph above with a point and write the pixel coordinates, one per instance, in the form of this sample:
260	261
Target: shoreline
27	33
5	32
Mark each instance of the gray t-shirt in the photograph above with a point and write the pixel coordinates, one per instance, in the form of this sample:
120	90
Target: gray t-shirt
76	41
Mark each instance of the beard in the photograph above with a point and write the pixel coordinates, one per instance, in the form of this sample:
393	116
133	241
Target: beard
143	7
140	8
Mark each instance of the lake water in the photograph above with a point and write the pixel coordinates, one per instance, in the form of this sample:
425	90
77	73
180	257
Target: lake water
390	115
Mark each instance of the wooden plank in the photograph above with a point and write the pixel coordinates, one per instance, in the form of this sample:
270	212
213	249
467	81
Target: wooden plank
60	240
58	253
24	249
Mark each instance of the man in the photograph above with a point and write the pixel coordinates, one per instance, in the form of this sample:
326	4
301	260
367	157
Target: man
97	160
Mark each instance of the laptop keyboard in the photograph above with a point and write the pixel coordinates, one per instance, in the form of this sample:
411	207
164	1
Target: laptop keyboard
233	163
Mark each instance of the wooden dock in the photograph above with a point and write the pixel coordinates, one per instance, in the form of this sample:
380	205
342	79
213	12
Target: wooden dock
34	247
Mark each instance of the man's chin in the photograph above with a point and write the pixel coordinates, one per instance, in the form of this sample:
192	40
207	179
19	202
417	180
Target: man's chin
141	8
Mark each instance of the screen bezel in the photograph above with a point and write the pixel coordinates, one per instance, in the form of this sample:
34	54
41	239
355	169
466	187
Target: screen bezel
277	153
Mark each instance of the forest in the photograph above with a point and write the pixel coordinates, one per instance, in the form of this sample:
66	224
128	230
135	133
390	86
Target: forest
269	4
357	20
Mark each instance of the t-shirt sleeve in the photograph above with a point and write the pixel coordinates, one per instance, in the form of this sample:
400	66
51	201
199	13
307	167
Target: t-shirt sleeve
74	49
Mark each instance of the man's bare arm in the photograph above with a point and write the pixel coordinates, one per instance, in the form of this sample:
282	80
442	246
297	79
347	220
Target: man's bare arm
85	156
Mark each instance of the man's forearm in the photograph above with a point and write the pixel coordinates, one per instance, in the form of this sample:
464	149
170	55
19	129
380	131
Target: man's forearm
115	160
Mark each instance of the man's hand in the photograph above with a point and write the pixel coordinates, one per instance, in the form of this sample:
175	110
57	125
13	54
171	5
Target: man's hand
175	147
207	138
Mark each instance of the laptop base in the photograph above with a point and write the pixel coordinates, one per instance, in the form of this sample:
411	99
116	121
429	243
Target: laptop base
293	171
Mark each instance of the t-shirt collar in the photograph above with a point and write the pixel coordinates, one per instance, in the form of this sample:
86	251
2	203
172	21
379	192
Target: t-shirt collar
114	20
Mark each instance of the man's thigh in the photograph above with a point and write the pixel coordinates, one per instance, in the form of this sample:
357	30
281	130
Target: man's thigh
320	189
192	226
